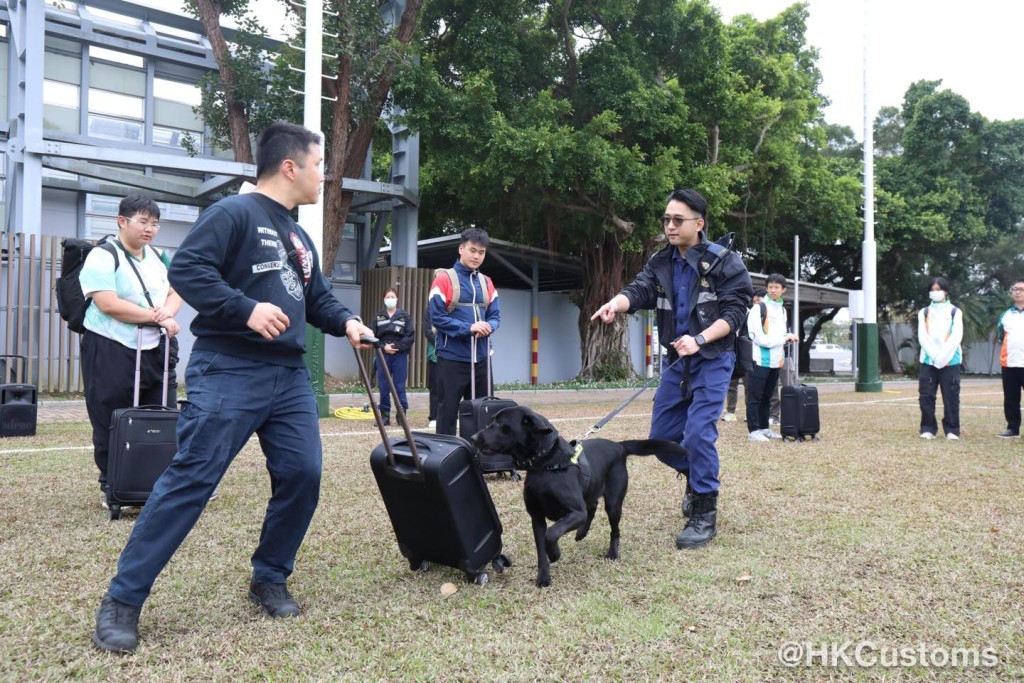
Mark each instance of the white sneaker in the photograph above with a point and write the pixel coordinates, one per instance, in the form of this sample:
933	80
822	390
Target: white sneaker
729	417
927	435
432	425
215	495
758	436
952	437
770	434
103	501
772	421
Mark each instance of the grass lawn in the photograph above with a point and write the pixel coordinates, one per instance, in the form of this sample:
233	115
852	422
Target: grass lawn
908	549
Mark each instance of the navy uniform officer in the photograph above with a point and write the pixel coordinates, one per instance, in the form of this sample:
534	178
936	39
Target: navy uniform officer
396	334
701	291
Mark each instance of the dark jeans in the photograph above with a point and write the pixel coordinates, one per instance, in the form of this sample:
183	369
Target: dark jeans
230	399
454	387
732	397
762	384
398	366
693	422
930	381
108	370
435	394
1013	384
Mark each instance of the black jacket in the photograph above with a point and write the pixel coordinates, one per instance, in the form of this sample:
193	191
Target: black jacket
724	291
396	329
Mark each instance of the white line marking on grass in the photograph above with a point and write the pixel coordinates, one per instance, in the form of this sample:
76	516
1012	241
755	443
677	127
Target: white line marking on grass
44	450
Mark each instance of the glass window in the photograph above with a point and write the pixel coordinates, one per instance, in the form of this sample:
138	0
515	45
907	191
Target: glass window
60	94
105	54
171	137
106	102
176	91
110	128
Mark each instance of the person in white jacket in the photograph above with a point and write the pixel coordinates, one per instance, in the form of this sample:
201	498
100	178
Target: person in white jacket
940	329
770	336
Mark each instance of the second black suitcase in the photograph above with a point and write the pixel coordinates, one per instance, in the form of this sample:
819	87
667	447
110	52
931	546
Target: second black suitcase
436	498
19	403
143	441
800	419
477	413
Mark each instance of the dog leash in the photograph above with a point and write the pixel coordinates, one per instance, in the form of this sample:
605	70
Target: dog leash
607	418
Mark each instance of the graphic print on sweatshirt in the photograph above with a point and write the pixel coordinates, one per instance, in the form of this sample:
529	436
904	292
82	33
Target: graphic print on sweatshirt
270	240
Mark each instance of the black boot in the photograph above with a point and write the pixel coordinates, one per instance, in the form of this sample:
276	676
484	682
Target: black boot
687	498
385	415
700	528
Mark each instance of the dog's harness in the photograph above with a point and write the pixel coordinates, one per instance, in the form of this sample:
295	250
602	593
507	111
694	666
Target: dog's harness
578	459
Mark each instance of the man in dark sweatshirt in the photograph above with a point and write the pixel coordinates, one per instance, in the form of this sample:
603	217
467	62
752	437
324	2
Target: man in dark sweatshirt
254	278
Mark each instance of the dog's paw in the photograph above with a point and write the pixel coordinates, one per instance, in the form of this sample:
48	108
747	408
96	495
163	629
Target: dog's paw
543	580
582	533
554	552
612	554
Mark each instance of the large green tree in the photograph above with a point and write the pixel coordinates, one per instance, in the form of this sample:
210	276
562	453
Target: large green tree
567	123
950	202
366	48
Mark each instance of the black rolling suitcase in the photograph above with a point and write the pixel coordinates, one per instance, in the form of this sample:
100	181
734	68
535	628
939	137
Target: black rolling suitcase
142	444
437	499
800	420
477	413
19	403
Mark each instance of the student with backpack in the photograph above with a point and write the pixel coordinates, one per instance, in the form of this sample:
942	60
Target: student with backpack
768	327
122	299
464	310
940	329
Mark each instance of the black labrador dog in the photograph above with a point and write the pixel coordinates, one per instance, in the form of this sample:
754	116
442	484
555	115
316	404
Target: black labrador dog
564	483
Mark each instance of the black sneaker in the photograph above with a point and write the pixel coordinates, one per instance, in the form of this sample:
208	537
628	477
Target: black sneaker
275	599
1008	434
117	626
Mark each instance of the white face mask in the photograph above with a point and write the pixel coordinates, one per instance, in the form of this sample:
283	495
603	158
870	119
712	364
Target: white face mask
390	303
938	297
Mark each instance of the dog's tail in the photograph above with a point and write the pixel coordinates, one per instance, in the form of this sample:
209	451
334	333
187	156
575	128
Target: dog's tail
662	448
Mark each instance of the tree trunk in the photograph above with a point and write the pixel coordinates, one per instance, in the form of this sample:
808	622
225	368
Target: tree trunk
605	347
350	146
238	123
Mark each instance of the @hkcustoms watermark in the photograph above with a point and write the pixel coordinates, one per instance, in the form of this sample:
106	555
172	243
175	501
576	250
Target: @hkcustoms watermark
868	654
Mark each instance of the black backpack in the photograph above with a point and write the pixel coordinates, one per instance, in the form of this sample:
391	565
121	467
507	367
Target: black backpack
71	303
744	347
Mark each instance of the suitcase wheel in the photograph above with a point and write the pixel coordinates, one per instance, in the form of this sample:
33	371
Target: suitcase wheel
115	511
479	579
418	565
501	563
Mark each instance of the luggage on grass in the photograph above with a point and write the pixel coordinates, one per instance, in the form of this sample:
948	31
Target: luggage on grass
143	441
437	500
19	402
800	419
477	413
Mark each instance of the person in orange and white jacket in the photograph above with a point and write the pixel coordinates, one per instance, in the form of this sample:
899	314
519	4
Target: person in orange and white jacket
940	329
1010	335
770	338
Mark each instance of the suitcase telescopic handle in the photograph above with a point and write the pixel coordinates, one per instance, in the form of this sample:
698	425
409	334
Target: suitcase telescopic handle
23	375
472	368
399	413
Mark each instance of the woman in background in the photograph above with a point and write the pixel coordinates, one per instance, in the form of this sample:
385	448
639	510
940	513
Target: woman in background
396	334
940	329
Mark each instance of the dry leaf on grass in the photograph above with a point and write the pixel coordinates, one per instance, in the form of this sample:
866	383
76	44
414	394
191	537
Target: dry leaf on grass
449	589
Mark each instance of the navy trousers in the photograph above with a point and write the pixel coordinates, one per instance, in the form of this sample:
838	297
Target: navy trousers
398	366
693	421
229	400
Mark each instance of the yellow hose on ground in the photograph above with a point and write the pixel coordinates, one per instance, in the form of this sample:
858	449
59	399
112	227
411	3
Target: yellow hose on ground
351	413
